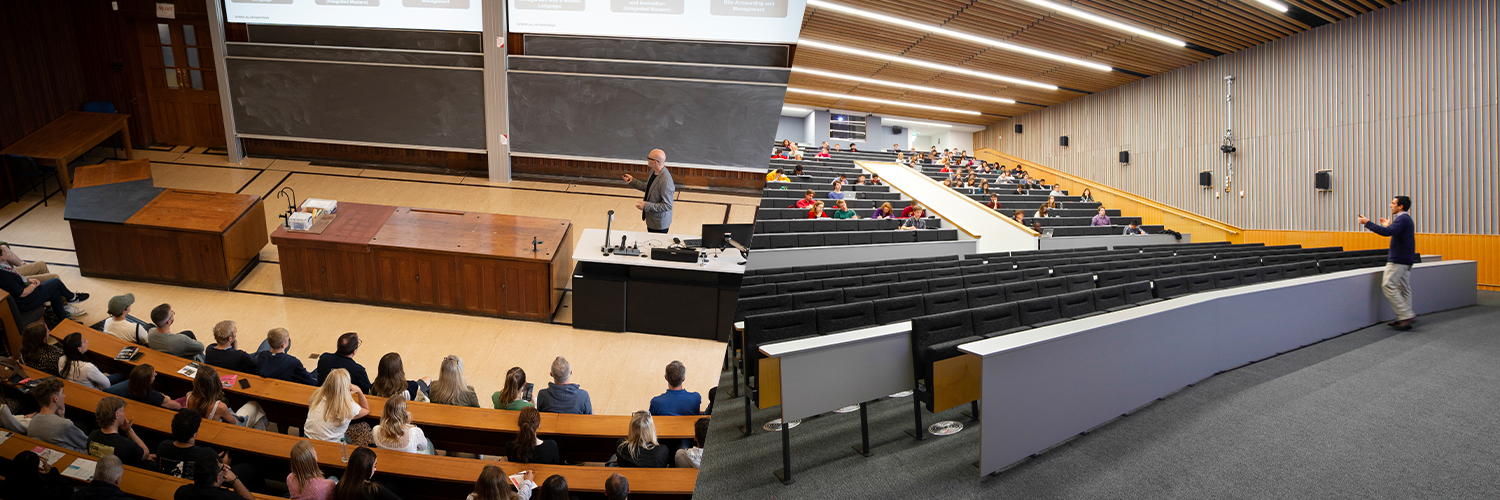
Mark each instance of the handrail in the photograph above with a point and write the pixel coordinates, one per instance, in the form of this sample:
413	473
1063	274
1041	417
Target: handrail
1123	194
1028	230
971	200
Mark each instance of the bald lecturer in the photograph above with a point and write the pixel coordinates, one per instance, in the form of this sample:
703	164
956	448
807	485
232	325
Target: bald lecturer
656	206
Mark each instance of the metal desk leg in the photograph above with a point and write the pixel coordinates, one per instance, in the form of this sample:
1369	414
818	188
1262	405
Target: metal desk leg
785	474
864	430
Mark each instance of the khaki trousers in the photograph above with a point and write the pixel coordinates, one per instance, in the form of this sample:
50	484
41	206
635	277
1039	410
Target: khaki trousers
1394	283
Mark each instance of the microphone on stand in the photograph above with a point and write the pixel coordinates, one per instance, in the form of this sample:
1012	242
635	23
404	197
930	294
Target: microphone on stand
611	222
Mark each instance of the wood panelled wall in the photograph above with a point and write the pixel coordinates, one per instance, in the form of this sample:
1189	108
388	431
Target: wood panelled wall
1484	248
1402	100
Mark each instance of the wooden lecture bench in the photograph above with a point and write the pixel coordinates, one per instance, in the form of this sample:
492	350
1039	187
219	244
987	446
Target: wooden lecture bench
69	137
139	483
415	475
453	428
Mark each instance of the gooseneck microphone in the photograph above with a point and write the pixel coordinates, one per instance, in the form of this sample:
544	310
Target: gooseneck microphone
611	222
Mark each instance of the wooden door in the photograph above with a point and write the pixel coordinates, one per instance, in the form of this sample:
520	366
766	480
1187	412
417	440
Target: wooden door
416	278
524	288
181	83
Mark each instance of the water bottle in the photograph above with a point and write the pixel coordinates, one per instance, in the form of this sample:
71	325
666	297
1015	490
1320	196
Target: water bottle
344	450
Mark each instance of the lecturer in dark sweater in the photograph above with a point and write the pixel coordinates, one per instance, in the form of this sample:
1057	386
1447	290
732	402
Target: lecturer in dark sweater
1402	232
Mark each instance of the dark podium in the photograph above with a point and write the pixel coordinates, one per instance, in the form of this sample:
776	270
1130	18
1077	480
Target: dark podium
638	294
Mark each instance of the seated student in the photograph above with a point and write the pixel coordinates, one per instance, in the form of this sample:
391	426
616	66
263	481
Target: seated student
181	344
210	481
207	398
1021	188
875	179
450	387
396	431
843	211
554	488
807	200
945	168
358	482
225	353
851	148
838	191
180	456
106	482
1052	202
140	389
861	181
616	487
1020	217
121	325
279	363
776	176
390	380
693	457
994	202
306	481
816	211
49	425
1057	191
31	293
776	154
330	408
797	155
835	146
640	448
1041	212
913	207
10	369
1101	219
494	484
116	436
512	396
676	401
75	366
528	448
948	183
823	153
1133	228
916	221
901	158
25	479
343	357
1088	196
561	396
824	146
797	171
884	212
841	179
36	352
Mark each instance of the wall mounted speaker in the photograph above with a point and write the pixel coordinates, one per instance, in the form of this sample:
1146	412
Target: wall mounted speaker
1323	180
897	130
1063	141
1124	157
1018	128
1206	178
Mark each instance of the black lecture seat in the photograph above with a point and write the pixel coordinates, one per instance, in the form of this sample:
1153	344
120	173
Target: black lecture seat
1249	275
908	288
898	309
1052	286
996	320
945	284
1076	282
856	271
982	296
751	279
1076	305
820	298
866	293
774	327
1139	293
1200	282
783	277
844	317
1270	273
978	280
1039	311
747	291
1111	298
941	302
1007	277
916	275
1141	274
978	268
799	286
883	278
1167	288
817	275
1168	271
841	282
1113	277
761	305
1035	274
1292	270
1070	270
935	337
1021	291
1226	279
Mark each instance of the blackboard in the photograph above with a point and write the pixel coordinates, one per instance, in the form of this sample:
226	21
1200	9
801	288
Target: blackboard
694	122
395	105
743	54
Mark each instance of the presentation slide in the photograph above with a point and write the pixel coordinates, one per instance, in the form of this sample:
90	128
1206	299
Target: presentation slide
766	21
446	15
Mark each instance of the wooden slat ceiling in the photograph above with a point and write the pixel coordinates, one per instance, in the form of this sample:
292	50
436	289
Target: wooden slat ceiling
1210	27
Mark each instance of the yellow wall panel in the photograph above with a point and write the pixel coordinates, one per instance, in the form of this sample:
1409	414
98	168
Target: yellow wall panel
1483	248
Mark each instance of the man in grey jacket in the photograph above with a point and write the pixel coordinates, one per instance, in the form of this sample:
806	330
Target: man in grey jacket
656	206
561	396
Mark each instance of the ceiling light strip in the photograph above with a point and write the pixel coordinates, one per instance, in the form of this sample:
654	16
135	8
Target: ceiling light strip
881	101
1277	6
796	69
917	62
929	124
944	31
1107	22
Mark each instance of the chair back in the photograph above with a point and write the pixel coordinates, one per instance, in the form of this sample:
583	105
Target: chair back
24	166
99	107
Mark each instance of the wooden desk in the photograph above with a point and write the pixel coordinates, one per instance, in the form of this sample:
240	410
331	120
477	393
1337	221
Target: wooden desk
133	230
418	475
112	172
70	136
464	262
457	428
139	483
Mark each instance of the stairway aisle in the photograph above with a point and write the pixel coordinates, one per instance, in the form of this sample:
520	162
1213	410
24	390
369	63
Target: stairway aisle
995	232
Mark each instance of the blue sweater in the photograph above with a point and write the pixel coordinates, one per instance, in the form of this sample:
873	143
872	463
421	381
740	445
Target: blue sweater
283	366
1402	232
678	402
566	398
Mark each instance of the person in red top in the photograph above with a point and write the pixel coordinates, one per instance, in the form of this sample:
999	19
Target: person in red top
806	201
994	202
823	153
817	211
913	207
875	179
778	155
945	169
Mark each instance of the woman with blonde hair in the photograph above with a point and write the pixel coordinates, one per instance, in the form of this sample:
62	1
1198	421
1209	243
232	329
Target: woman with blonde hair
450	388
306	481
640	448
332	406
528	448
207	398
396	431
494	484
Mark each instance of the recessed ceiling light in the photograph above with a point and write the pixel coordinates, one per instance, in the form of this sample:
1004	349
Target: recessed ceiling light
1107	22
929	124
881	101
1280	7
794	108
901	85
918	62
949	32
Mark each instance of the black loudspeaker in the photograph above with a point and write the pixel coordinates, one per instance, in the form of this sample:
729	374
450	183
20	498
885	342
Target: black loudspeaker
1063	141
896	130
1206	179
1018	128
1124	157
1323	180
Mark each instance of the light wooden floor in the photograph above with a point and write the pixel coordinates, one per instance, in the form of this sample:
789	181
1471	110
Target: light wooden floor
621	371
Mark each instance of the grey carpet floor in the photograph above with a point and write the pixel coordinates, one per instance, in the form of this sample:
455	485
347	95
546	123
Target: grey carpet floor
1371	414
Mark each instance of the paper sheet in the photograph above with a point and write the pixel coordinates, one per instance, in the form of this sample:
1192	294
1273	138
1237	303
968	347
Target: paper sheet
81	469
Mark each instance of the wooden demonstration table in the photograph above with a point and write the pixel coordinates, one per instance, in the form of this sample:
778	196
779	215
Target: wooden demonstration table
465	262
70	136
134	230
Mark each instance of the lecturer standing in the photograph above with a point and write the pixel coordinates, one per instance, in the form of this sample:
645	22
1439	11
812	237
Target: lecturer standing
656	206
1402	231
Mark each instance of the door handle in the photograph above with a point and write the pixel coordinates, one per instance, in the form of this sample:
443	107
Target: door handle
419	278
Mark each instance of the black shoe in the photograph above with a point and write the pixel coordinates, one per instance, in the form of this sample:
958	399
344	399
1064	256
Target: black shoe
1403	325
79	297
